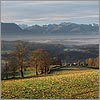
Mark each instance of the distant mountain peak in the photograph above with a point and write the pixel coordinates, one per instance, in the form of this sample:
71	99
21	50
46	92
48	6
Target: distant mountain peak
10	28
50	29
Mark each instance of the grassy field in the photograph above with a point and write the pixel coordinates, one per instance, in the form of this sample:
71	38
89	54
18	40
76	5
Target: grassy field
63	84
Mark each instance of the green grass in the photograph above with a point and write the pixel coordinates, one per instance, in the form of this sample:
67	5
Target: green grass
29	73
62	85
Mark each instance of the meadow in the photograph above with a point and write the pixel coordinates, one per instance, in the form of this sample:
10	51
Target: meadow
65	84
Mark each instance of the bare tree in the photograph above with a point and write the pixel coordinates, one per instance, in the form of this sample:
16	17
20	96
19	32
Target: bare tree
6	56
21	51
13	65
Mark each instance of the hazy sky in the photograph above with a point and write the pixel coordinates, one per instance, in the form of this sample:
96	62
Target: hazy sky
46	12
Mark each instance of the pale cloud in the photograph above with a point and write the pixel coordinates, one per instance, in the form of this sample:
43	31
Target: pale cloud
49	11
54	19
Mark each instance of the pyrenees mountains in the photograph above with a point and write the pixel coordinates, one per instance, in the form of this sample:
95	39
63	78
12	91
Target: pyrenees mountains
50	29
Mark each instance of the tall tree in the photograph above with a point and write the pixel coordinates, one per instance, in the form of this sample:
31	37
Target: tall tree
96	62
6	57
21	51
13	65
90	61
40	60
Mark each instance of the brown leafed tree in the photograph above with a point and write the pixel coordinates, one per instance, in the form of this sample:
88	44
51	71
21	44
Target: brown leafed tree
96	62
40	60
92	62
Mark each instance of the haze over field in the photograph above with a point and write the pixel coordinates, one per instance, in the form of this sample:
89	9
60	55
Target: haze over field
65	40
26	19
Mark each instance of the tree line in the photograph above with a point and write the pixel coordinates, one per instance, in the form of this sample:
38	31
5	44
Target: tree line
89	62
21	58
93	62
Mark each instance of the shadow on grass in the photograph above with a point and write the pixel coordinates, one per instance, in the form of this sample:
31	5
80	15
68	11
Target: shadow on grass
52	71
26	77
63	69
35	76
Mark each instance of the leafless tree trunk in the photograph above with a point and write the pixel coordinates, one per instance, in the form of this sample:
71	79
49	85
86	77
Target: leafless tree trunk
6	67
21	49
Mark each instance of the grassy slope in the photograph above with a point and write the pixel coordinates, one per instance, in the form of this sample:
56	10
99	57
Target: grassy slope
70	84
